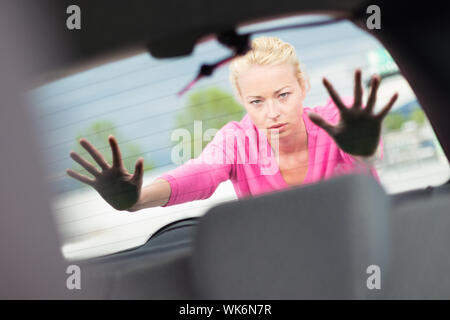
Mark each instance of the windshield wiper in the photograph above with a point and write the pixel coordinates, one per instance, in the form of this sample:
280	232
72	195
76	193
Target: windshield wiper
240	44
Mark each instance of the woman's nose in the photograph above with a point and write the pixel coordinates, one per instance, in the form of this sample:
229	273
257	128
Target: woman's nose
273	111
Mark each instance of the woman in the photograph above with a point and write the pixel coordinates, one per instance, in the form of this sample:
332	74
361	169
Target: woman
306	145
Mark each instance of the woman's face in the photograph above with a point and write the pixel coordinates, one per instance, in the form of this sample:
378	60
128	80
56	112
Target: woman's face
272	97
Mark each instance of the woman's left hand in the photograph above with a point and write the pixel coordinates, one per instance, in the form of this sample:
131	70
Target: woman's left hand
358	131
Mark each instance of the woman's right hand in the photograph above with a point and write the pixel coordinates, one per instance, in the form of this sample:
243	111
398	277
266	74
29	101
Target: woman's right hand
114	183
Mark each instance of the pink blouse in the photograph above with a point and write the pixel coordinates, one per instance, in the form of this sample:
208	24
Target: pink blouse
241	152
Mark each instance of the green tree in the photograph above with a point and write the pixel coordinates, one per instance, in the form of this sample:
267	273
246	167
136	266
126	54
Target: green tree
393	121
97	133
418	116
214	107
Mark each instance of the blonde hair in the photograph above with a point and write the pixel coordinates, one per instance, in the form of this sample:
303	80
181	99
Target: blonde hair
268	51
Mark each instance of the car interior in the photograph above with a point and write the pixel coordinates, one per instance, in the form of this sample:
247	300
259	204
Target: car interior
308	242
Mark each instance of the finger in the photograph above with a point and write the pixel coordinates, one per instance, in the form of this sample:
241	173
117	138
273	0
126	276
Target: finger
333	94
80	177
375	83
95	154
388	107
85	164
318	120
358	91
116	154
138	170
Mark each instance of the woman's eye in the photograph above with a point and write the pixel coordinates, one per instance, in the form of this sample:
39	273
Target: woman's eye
255	101
284	95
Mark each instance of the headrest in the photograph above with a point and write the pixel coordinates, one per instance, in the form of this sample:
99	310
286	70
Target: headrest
314	241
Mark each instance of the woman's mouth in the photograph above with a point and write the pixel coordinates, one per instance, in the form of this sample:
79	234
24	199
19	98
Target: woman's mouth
278	126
